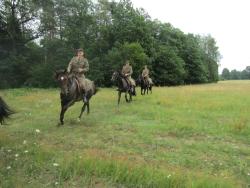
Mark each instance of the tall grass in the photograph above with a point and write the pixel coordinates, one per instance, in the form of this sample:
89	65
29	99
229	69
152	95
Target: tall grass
187	136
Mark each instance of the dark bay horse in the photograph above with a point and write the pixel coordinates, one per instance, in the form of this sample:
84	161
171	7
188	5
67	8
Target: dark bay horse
71	92
5	111
145	85
123	86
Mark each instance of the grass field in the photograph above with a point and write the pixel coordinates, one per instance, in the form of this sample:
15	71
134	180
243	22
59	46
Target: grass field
187	136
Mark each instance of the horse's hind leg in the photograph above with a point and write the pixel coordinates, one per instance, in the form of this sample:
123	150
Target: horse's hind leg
119	97
126	96
88	108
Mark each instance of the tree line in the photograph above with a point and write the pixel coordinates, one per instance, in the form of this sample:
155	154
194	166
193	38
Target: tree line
235	75
38	37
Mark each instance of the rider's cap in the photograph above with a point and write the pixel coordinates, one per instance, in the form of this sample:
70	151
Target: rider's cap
79	50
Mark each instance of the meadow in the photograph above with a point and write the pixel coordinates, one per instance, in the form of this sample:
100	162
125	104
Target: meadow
185	136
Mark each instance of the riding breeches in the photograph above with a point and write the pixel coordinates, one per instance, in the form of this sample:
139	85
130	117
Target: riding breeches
131	80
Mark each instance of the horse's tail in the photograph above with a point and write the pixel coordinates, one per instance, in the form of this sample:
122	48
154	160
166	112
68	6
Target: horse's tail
5	110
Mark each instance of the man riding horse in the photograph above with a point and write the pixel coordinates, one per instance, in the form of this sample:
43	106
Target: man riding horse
79	65
145	75
127	71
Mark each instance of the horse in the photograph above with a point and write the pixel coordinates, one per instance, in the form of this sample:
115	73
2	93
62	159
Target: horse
71	92
5	111
123	86
145	85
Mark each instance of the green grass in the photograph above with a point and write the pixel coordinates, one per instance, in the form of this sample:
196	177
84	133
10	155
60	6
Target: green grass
187	136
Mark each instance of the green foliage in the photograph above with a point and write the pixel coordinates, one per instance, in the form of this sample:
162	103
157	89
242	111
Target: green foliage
195	68
236	75
225	74
168	68
117	56
109	32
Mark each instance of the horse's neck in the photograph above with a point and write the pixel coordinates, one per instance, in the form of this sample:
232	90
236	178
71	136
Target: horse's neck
74	87
121	82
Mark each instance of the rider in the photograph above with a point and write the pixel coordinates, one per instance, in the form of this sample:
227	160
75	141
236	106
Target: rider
79	65
127	71
145	75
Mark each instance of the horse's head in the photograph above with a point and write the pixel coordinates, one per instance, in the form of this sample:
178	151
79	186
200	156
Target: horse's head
141	80
62	77
138	80
115	76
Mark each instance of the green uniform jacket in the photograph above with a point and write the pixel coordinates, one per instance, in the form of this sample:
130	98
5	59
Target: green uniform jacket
78	66
145	73
127	69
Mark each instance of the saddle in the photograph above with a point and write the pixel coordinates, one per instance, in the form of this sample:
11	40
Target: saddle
125	82
76	79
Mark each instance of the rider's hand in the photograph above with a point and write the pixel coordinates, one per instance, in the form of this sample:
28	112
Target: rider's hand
80	70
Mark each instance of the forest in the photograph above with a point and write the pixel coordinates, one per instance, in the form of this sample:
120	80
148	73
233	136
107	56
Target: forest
38	37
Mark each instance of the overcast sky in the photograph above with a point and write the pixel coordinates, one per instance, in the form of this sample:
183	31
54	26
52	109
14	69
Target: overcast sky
228	21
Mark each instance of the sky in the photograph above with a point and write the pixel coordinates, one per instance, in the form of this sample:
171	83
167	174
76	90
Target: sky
227	21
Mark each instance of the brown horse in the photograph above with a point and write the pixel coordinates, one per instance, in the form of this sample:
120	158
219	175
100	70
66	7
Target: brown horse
123	86
5	111
71	92
145	85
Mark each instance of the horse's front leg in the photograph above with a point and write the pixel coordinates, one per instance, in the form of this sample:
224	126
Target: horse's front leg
126	96
64	108
141	91
83	109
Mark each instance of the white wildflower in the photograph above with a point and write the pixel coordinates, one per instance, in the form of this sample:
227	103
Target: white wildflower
26	151
16	155
55	164
248	174
56	183
169	176
38	131
24	142
8	167
9	150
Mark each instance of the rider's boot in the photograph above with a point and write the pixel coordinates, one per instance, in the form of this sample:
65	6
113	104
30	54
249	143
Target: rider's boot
85	100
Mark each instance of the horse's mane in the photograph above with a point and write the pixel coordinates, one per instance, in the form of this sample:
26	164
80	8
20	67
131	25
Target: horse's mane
120	73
